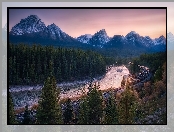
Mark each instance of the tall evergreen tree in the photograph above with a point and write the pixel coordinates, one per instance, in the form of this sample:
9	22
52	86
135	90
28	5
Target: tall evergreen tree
84	112
95	105
49	111
127	106
91	107
111	114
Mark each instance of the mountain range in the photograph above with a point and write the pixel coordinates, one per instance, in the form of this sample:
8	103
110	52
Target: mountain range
32	30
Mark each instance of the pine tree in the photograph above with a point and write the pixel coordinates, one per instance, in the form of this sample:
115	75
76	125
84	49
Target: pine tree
11	113
95	105
84	112
127	106
91	107
49	111
111	115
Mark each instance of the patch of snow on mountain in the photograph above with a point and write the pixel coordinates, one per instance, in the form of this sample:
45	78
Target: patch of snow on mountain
103	37
84	38
55	31
160	41
28	25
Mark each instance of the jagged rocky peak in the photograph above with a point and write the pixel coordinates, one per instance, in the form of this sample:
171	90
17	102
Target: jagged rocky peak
162	37
84	38
147	37
88	35
117	37
160	41
99	38
102	36
53	27
55	32
132	34
34	17
102	31
30	24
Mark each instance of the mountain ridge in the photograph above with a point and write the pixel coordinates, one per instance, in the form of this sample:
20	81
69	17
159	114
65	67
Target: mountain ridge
33	30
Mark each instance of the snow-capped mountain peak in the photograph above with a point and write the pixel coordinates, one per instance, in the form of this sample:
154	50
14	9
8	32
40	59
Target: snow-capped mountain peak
160	41
98	39
30	24
55	32
162	37
33	17
53	28
132	37
147	37
88	35
132	34
84	38
34	28
101	36
102	31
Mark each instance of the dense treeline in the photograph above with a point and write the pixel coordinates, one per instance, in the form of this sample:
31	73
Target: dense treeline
132	106
153	92
33	64
153	61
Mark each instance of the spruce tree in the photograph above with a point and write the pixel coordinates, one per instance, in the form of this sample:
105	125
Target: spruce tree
91	107
84	112
49	111
127	106
111	114
95	105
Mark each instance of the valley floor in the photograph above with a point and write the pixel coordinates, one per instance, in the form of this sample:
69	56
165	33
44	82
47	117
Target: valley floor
23	95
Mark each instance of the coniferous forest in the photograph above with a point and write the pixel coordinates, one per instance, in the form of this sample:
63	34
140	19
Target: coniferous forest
47	65
33	64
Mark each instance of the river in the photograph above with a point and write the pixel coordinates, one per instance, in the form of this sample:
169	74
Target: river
23	95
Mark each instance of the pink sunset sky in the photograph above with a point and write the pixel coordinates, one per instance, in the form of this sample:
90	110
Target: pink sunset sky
76	22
